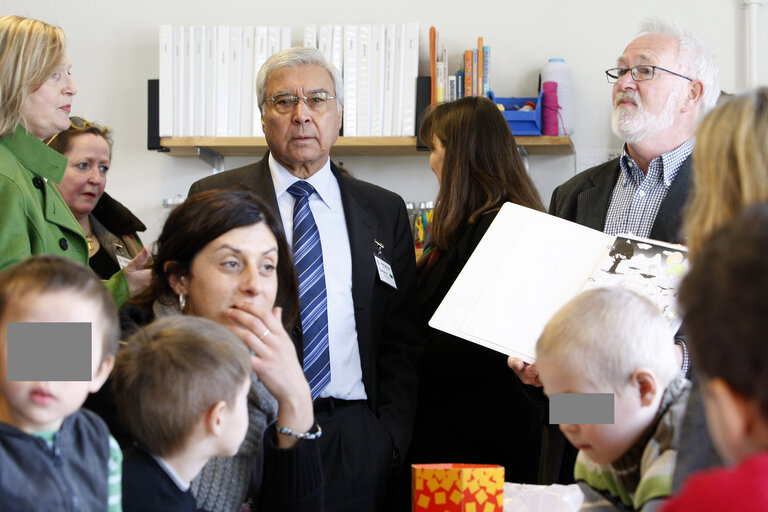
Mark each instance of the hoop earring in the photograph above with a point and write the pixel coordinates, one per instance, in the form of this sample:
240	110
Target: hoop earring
182	302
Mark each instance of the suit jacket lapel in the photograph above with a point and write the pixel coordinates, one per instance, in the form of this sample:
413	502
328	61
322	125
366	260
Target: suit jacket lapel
260	182
669	218
592	204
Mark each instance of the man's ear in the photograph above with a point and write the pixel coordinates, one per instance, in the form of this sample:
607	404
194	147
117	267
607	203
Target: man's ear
646	384
737	418
693	96
214	418
101	374
175	280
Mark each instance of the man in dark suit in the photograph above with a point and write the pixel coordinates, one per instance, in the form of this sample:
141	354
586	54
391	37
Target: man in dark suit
366	408
665	80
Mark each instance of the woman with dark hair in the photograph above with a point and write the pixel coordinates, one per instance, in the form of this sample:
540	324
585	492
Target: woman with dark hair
222	255
470	406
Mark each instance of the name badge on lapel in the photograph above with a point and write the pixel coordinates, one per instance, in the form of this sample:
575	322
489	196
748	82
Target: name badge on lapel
384	268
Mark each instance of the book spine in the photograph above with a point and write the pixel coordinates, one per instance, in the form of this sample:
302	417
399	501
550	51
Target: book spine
389	80
235	80
459	84
249	81
179	80
166	88
350	80
410	75
211	67
451	88
310	36
475	84
480	68
324	41
222	79
200	81
486	70
363	81
440	89
260	57
468	73
285	37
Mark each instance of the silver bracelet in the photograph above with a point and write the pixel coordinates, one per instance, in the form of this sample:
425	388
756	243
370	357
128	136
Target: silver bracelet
314	433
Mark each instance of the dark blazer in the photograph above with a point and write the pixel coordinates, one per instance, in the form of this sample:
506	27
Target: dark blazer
386	319
585	199
471	408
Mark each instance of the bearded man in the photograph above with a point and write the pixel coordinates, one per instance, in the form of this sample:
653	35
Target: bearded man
665	80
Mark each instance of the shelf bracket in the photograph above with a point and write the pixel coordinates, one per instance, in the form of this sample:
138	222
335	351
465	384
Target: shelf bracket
212	158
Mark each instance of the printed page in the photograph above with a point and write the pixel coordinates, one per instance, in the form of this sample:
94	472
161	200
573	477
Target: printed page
524	269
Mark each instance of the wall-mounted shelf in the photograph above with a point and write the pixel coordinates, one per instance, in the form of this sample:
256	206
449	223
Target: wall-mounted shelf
345	146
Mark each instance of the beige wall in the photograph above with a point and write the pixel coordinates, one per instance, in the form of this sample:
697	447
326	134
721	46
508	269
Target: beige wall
113	47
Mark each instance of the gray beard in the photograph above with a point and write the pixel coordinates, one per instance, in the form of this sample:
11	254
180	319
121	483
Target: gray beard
634	125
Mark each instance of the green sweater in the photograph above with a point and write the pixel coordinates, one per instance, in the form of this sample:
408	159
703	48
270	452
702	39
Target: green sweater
34	219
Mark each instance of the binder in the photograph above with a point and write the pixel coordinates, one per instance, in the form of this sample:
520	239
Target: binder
363	81
248	86
350	80
324	38
285	37
310	36
389	80
410	74
337	48
397	110
166	75
235	80
376	63
222	80
260	45
189	83
200	82
211	80
179	80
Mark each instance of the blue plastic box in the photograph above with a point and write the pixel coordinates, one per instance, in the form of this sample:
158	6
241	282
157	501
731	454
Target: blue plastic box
521	123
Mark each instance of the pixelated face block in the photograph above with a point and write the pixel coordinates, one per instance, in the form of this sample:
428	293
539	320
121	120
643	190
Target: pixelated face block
457	488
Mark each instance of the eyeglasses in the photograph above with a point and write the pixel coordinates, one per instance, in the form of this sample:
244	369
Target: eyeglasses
78	123
639	73
317	102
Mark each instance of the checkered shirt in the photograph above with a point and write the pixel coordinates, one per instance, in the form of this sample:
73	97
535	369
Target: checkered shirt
636	197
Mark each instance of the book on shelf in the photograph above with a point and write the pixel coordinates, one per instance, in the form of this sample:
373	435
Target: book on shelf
179	81
190	89
376	66
211	81
165	86
325	41
337	47
529	264
410	74
260	57
199	81
310	36
486	70
479	66
248	87
222	80
235	80
389	80
363	81
469	72
350	81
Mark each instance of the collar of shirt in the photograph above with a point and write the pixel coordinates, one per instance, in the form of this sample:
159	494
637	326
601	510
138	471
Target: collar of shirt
663	167
181	484
321	180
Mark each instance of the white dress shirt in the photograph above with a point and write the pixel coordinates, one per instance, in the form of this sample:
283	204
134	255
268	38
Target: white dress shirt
328	211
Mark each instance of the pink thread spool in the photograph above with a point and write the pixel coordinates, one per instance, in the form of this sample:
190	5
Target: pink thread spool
549	108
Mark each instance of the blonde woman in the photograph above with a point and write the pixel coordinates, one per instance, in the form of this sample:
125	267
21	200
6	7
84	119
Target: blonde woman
36	92
730	164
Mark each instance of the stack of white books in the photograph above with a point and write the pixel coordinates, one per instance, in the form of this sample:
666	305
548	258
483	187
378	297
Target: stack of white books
208	76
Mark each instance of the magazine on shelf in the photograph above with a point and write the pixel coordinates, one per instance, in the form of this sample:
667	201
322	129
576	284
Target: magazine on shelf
529	264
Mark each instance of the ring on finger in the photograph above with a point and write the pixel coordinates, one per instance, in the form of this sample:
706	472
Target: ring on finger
265	333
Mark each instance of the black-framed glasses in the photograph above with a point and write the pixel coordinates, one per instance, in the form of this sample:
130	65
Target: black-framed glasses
316	102
639	73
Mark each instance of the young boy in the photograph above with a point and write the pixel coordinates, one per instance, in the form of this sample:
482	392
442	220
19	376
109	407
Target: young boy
181	386
725	308
610	340
53	454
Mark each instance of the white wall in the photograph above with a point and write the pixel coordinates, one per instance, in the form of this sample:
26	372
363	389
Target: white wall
113	47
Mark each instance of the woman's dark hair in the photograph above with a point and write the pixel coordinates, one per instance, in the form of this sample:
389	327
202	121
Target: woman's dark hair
201	219
482	167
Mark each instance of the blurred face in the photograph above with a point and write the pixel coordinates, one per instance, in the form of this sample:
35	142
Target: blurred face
86	175
643	109
436	157
601	443
237	267
42	406
301	140
45	111
235	417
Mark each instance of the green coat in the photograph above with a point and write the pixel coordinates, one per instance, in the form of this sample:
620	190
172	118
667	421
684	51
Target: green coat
34	219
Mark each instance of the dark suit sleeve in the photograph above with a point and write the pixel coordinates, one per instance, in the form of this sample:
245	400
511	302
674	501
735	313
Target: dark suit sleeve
401	343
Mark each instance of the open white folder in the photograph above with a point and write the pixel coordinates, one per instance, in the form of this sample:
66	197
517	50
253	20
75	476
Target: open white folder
529	264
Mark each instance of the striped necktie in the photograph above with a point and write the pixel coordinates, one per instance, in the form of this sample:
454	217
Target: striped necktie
308	258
